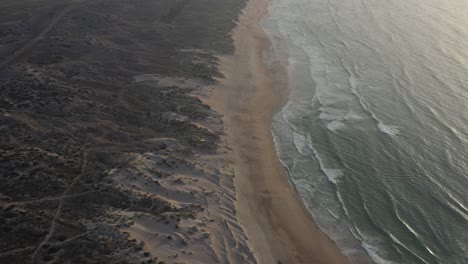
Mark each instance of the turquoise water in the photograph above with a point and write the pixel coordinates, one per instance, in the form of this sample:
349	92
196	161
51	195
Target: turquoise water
375	133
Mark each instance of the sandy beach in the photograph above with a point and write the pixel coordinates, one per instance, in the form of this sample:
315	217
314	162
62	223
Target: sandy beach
278	226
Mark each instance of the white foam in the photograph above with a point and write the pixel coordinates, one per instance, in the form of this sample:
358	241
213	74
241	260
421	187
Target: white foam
353	116
335	125
291	61
300	143
391	130
375	253
397	241
328	116
353	84
328	113
333	175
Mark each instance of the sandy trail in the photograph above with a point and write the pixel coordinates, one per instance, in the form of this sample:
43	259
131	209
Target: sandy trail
18	53
30	44
58	212
278	226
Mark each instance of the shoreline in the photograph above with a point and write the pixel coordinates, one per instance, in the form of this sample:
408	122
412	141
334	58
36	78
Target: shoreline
278	226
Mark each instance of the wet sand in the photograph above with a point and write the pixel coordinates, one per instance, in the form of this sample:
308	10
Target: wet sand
278	226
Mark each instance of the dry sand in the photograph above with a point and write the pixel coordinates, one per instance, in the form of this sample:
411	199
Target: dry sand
205	187
278	226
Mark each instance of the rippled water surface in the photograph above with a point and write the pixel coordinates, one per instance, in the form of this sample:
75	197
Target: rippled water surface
375	133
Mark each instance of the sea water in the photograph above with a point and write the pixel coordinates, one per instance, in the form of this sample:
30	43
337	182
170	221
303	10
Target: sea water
374	135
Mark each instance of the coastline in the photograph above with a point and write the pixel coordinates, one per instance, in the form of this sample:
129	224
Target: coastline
278	226
232	131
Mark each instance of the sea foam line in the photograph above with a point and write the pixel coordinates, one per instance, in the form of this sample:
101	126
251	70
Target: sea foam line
390	130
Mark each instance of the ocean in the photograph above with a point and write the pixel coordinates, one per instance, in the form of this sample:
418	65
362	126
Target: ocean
374	135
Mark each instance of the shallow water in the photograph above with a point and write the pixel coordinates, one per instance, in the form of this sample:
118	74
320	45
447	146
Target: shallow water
375	133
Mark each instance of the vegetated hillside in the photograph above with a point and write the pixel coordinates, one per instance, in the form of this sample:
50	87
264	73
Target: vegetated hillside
71	113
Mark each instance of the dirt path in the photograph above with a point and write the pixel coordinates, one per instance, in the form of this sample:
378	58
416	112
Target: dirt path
26	47
58	212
